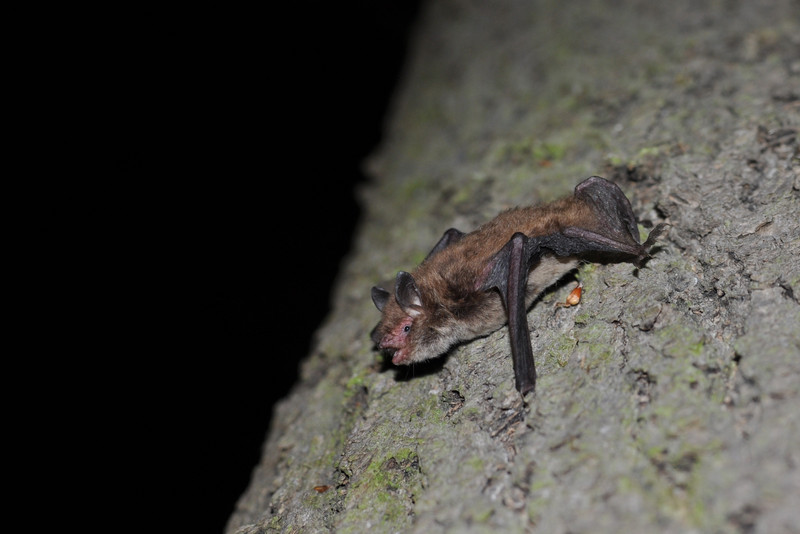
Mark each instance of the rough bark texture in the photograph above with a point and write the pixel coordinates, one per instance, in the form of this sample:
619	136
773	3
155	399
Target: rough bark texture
668	399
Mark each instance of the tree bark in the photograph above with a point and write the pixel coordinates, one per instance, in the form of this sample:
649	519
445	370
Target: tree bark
668	398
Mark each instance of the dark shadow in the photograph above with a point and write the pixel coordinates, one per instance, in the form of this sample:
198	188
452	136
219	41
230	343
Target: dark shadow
404	373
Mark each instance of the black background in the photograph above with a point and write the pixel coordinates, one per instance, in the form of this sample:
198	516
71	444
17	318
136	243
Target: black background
238	138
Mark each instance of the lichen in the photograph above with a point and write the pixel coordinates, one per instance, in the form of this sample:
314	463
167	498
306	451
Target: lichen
383	492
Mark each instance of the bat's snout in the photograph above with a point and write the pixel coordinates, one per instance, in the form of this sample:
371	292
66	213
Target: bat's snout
399	355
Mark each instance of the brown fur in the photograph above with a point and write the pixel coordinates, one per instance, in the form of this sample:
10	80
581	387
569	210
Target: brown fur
452	309
447	301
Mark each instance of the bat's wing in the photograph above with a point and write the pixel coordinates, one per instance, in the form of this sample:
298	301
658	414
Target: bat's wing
508	272
607	226
450	236
599	220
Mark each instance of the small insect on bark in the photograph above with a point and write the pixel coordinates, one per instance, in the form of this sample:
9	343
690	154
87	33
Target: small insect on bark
471	284
573	299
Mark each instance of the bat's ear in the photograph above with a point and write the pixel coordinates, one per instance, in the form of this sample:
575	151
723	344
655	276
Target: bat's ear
379	297
407	294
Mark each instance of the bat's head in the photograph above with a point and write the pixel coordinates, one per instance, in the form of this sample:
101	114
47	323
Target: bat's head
411	329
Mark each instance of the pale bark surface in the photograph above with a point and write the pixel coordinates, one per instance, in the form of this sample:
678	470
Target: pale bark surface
668	400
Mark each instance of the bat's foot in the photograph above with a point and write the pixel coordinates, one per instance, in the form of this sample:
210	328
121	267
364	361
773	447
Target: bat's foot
655	233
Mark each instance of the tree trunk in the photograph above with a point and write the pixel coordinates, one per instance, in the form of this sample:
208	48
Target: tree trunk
668	399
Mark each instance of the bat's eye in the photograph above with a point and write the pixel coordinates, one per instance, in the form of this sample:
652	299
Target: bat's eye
406	328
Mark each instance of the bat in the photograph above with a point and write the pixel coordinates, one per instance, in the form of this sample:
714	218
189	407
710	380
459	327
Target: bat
471	284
